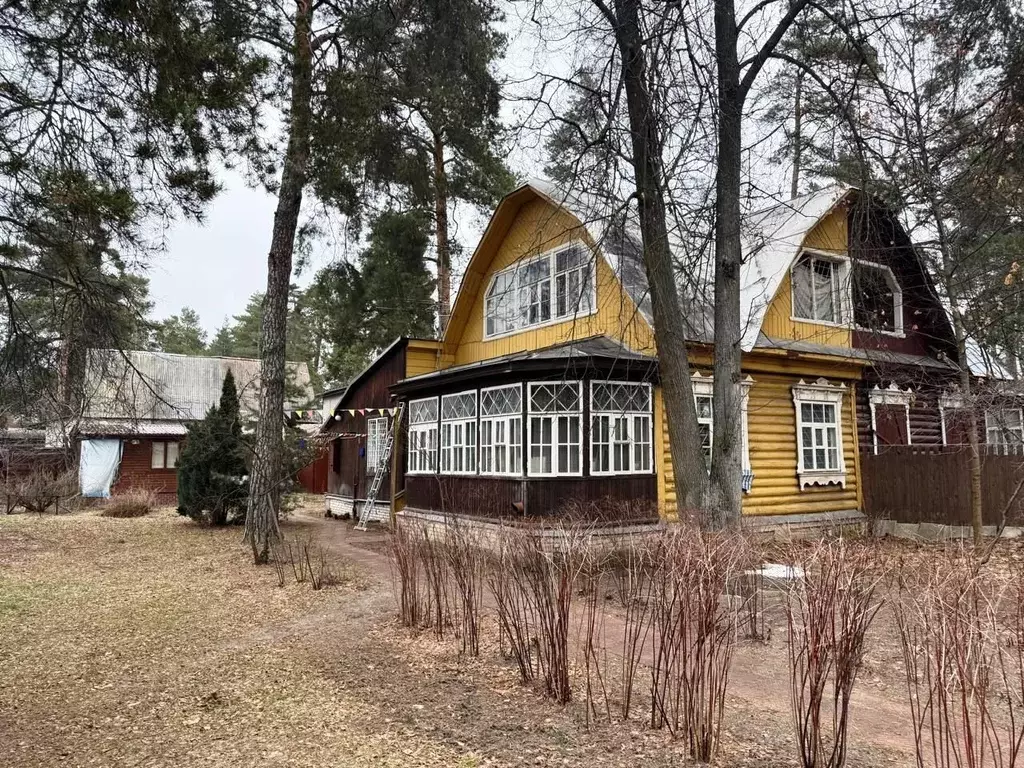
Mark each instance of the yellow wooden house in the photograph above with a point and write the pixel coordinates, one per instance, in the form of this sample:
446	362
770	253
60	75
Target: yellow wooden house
545	398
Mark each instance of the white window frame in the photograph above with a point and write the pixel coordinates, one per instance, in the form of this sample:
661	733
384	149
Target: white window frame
376	434
165	457
819	392
949	402
631	432
894	396
991	427
572	313
458	438
508	447
704	386
897	298
843	297
553	415
425	448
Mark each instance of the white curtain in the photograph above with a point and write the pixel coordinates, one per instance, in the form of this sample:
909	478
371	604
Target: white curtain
98	465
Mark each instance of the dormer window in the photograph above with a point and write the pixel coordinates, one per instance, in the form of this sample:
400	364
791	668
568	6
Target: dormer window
877	299
816	289
555	286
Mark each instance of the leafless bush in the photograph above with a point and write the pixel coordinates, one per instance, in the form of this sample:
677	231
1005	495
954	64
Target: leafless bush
594	573
136	502
466	564
307	559
39	490
694	631
828	614
963	662
633	570
434	557
405	557
516	622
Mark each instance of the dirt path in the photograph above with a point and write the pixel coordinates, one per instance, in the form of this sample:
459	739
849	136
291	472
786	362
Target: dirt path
880	728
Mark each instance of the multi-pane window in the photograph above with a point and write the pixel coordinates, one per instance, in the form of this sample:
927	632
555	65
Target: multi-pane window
1004	427
620	437
165	455
555	430
819	437
376	431
705	424
877	299
816	289
557	285
458	433
501	430
423	436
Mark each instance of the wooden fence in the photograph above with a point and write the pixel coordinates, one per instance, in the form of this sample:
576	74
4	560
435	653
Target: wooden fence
913	484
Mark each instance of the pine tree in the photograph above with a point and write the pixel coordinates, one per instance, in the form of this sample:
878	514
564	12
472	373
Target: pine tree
212	468
180	334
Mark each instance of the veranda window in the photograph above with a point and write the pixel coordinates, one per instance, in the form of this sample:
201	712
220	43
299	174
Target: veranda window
816	289
555	432
376	430
554	286
1004	427
423	436
501	430
621	434
458	433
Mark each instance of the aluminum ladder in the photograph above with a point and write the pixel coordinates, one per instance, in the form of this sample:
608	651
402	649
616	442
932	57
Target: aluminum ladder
369	511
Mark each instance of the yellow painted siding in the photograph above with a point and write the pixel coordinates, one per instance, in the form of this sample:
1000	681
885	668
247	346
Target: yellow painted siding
539	227
773	454
830	234
421	357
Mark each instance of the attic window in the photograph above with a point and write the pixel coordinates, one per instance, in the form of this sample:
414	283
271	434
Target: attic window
816	289
554	286
877	299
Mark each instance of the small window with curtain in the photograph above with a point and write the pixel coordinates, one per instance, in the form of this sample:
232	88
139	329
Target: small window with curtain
501	430
819	433
816	289
621	428
376	432
877	299
555	429
165	454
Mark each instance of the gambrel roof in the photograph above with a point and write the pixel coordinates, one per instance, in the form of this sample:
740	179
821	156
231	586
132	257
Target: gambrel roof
772	238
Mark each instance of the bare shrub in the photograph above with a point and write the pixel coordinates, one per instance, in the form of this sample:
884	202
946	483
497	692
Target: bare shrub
963	657
434	557
307	559
466	565
405	558
828	613
136	502
594	572
516	622
41	489
634	577
694	631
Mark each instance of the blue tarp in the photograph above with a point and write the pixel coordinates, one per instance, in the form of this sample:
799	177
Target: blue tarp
98	466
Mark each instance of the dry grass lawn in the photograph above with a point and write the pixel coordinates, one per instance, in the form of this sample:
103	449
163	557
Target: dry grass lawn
153	642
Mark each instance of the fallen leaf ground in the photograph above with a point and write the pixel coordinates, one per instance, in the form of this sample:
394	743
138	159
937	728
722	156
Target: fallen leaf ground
154	642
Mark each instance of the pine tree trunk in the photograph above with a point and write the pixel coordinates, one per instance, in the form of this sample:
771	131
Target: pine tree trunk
444	267
726	465
689	466
261	525
798	117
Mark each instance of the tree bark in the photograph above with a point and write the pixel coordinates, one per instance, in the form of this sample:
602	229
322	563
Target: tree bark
798	116
261	523
444	267
726	468
689	466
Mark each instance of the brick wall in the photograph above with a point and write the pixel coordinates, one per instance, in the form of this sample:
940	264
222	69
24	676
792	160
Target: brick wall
136	472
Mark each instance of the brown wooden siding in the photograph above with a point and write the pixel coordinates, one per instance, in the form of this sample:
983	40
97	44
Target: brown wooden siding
876	237
136	471
599	499
912	484
348	475
928	385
